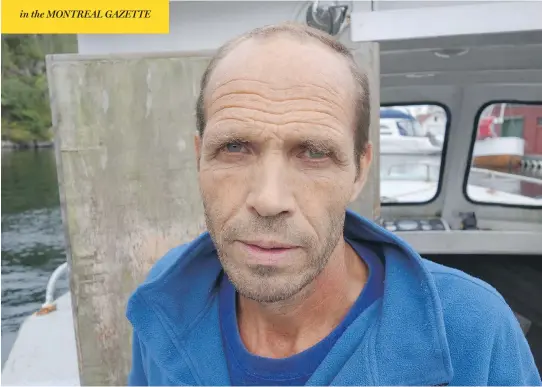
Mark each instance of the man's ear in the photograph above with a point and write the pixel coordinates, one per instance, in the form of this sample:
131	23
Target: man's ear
197	148
365	160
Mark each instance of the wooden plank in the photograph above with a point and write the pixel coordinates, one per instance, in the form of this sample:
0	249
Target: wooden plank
124	141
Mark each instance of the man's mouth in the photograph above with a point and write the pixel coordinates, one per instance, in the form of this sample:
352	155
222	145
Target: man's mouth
267	252
269	245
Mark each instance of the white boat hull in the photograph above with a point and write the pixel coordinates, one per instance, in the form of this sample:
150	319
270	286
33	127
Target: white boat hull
498	152
407	145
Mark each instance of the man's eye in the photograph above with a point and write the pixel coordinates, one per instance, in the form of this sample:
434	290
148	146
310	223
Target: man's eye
234	147
315	154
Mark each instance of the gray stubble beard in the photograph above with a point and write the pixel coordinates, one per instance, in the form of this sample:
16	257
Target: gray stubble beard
257	286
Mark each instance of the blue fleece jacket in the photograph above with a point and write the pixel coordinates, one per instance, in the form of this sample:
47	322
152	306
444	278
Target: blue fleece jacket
432	326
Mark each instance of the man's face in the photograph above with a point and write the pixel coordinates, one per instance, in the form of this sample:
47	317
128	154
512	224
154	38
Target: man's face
276	163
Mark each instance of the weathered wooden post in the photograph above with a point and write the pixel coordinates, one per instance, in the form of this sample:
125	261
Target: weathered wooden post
124	129
127	174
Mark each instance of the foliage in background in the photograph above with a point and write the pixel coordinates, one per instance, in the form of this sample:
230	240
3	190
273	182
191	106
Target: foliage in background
26	114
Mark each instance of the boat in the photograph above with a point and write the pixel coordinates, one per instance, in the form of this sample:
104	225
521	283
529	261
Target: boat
499	152
494	151
400	134
433	120
464	62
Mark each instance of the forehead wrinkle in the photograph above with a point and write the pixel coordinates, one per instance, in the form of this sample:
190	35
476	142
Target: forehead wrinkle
273	87
242	128
267	109
273	118
236	97
321	100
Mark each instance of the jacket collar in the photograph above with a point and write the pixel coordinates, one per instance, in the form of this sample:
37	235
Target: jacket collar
176	317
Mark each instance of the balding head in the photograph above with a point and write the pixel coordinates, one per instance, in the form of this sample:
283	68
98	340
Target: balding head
302	34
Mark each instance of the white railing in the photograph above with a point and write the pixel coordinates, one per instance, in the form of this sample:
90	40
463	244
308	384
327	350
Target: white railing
434	167
496	174
49	304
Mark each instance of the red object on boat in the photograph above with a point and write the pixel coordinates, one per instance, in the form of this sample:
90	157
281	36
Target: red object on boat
485	129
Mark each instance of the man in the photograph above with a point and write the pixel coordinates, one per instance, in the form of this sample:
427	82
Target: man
288	287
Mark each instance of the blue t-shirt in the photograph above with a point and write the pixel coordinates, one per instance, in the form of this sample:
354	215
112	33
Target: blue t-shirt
247	369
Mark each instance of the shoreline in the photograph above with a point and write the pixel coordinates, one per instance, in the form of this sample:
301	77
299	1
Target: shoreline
8	145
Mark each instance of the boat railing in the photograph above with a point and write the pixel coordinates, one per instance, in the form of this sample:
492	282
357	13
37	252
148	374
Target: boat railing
49	305
504	175
532	163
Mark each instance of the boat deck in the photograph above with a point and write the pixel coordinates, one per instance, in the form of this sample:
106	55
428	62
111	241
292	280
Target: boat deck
45	352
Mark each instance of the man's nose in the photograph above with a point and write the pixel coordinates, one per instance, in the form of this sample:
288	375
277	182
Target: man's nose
270	192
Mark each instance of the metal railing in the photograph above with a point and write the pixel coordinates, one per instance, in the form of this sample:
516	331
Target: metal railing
434	167
512	176
49	304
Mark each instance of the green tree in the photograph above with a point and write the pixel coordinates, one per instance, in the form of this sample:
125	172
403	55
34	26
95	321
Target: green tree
26	115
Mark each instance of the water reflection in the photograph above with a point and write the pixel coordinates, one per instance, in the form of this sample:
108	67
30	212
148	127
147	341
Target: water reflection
32	237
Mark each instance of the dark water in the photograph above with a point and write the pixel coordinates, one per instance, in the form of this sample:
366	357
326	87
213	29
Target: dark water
32	236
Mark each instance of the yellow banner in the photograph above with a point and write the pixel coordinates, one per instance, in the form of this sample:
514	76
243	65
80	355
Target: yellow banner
85	16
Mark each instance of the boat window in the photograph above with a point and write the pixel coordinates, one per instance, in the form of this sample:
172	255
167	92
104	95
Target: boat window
411	152
506	159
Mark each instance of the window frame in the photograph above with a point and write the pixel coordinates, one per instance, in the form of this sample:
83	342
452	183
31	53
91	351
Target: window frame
448	114
474	134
